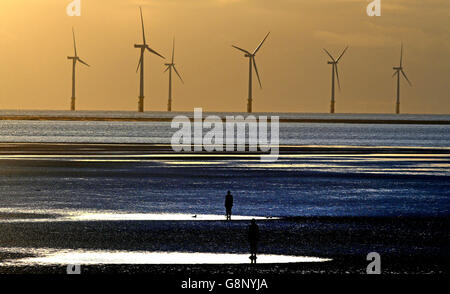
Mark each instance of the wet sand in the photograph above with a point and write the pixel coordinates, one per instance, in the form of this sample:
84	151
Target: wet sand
158	149
281	120
23	215
406	244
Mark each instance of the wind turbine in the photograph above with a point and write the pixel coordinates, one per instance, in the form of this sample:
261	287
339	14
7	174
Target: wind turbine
74	59
169	68
334	72
397	71
144	46
252	64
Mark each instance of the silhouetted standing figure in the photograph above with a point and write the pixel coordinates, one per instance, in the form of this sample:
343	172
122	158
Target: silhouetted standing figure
253	237
228	205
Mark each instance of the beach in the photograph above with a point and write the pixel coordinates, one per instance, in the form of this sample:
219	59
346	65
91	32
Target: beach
406	245
117	198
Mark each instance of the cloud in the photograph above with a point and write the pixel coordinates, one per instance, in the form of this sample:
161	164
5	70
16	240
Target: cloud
355	39
371	34
228	1
6	36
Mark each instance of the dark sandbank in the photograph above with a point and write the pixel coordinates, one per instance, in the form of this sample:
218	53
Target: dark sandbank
406	244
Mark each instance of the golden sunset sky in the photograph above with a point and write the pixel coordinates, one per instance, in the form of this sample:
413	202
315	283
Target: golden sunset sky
35	40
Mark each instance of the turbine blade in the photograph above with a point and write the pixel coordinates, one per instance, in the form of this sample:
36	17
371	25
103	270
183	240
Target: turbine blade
173	50
154	52
260	44
329	54
406	77
83	62
342	54
243	50
142	22
167	68
401	55
256	71
74	42
337	76
178	74
139	64
395	72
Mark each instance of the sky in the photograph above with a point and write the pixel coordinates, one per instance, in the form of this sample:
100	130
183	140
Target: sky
36	38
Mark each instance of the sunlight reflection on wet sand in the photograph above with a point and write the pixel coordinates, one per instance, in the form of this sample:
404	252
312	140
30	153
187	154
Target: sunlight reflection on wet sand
78	216
85	257
156	217
212	155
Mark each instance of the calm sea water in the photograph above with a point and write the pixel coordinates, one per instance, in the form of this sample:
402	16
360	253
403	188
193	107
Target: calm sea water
290	133
322	184
150	114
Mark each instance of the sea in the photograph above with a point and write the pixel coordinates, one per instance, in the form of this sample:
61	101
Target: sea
145	186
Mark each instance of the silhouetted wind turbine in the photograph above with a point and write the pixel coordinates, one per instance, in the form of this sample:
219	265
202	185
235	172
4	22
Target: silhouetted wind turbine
252	63
143	47
74	59
334	72
397	71
169	68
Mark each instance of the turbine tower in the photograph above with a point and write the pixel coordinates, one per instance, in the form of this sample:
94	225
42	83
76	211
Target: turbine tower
397	71
252	64
334	72
74	59
169	68
144	46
